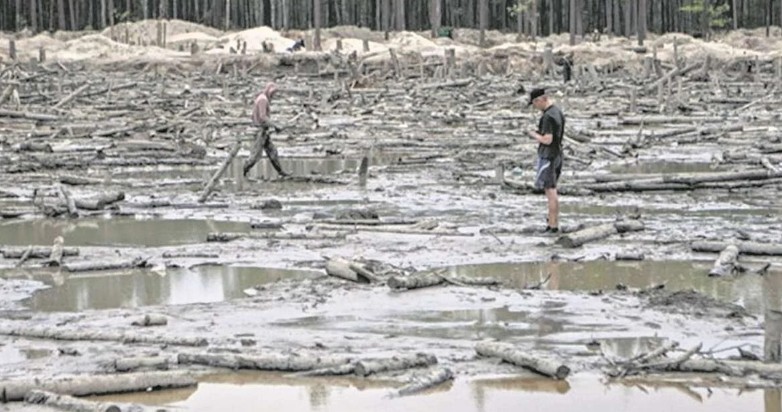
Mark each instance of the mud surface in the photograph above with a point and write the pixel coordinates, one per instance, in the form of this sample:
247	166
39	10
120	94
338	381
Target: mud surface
444	188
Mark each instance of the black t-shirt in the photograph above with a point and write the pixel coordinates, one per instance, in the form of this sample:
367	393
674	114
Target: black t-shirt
552	122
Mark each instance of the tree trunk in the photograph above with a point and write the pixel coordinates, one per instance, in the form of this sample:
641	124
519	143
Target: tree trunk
33	16
550	11
436	18
317	23
628	9
573	26
735	13
641	22
400	15
609	16
111	13
483	13
227	15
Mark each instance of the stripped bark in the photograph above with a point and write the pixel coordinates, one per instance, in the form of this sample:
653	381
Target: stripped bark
37	252
71	404
424	381
512	354
88	266
747	248
132	364
16	389
266	361
368	367
66	334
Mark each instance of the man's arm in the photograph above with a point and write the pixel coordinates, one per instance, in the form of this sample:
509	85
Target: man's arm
546	135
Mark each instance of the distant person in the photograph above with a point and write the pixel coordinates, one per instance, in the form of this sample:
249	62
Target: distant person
263	142
298	45
551	128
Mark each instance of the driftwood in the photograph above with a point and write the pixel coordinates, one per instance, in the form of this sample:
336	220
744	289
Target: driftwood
345	369
132	364
424	279
590	234
70	204
747	248
229	236
423	381
100	202
88	266
151	320
55	258
512	354
341	268
266	361
629	256
219	173
70	334
369	367
17	389
79	180
24	256
37	252
71	404
726	262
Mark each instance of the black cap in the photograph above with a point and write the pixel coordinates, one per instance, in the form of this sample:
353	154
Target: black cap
534	94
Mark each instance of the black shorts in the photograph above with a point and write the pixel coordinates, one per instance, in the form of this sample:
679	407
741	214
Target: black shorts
548	172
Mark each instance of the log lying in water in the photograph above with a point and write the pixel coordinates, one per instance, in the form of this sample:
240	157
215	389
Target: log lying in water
590	234
726	262
265	362
60	333
344	269
425	279
88	266
419	360
151	320
71	404
424	381
747	248
15	390
100	202
512	354
230	236
132	364
37	252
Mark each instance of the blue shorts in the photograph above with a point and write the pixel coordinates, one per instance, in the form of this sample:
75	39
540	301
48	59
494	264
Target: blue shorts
548	172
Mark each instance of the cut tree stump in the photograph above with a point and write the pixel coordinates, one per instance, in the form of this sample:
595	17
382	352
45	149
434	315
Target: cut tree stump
55	258
726	262
512	354
15	390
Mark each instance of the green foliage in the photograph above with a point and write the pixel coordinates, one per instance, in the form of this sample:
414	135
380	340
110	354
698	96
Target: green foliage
717	13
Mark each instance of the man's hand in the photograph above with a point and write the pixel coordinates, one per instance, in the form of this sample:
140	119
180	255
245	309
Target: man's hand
533	134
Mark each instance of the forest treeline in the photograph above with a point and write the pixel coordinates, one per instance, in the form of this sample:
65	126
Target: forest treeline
531	17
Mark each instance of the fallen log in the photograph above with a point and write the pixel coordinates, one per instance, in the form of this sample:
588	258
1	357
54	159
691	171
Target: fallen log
35	147
726	262
364	272
368	367
629	256
132	364
16	389
340	268
66	334
219	173
88	266
229	236
511	354
679	71
37	252
266	361
28	115
416	280
79	180
24	257
590	234
71	404
100	202
151	320
71	96
346	369
55	258
747	248
424	381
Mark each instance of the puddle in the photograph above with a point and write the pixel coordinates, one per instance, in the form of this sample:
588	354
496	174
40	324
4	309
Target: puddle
115	231
143	287
240	392
664	167
12	354
605	275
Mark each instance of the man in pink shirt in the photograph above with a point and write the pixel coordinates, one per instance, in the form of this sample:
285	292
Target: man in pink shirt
261	119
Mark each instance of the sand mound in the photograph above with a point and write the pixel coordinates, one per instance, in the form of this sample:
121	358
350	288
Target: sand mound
255	38
147	29
350	32
202	39
351	45
96	46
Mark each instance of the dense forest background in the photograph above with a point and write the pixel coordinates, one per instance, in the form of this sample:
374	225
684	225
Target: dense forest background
532	17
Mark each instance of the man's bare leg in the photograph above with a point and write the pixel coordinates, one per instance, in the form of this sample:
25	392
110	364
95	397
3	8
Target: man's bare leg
553	208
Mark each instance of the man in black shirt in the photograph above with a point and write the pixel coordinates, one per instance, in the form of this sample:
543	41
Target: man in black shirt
551	128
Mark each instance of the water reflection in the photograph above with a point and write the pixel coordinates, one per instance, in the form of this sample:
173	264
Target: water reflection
605	275
240	392
142	287
114	231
